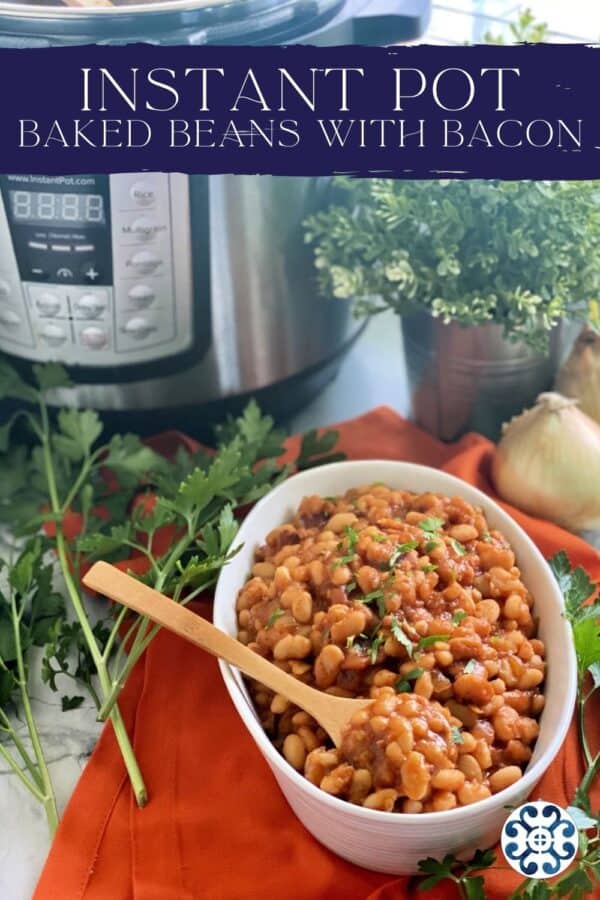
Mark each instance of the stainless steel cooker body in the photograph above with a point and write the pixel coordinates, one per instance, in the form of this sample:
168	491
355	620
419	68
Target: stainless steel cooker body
172	298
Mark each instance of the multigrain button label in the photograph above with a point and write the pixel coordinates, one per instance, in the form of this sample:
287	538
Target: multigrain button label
539	839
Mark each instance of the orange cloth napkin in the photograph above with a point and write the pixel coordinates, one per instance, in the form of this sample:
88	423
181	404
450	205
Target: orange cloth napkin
217	826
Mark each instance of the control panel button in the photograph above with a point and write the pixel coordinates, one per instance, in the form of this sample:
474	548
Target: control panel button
94	337
38	273
91	306
90	273
84	248
141	295
48	304
54	335
5	289
143	228
138	328
9	318
65	274
60	248
145	262
142	193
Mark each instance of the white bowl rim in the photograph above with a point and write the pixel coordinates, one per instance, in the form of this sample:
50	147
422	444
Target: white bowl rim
531	775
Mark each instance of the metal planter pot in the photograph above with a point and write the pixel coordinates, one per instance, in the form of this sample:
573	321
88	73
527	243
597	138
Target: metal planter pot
471	378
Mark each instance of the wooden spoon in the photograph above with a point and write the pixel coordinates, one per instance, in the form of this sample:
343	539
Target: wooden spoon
332	713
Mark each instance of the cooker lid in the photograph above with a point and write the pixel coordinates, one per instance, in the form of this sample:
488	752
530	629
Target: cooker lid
240	10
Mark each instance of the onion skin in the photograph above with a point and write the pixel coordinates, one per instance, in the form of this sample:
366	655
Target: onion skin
548	463
580	376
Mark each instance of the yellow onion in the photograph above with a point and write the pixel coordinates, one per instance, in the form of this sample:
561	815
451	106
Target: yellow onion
580	376
548	463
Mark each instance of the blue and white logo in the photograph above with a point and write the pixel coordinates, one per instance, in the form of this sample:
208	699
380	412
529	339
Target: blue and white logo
539	839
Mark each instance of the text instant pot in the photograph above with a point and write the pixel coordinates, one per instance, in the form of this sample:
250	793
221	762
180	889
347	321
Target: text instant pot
206	88
414	111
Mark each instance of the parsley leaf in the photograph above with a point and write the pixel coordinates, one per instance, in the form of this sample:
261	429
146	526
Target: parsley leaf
315	449
431	525
431	639
68	703
400	550
430	567
376	643
458	615
430	545
470	667
456	735
403	683
276	614
377	597
576	587
401	636
458	547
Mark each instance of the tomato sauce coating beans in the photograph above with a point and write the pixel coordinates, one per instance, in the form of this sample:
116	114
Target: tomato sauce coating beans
411	600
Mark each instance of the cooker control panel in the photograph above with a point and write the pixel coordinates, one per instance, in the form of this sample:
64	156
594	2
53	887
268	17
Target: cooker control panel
95	270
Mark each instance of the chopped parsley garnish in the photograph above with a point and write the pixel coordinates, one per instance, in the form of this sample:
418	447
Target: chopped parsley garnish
458	616
350	640
378	598
431	639
276	614
430	545
400	550
350	587
486	536
376	643
430	567
456	735
352	536
380	538
403	683
470	667
401	636
431	525
458	547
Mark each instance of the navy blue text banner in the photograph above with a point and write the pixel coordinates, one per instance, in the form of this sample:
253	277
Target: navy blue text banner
407	112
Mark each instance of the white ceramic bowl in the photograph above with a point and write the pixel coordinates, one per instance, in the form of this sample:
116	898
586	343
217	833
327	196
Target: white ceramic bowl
393	842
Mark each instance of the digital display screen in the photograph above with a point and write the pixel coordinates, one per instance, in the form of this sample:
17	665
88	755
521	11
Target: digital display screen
45	208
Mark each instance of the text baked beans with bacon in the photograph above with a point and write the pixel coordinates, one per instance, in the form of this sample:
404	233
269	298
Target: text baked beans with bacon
411	600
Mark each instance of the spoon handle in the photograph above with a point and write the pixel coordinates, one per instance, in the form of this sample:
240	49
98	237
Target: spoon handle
110	581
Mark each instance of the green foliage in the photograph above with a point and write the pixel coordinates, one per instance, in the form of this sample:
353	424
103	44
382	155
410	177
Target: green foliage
123	493
527	29
522	254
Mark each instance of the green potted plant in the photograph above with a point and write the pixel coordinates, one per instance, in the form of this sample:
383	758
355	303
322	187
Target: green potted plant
485	275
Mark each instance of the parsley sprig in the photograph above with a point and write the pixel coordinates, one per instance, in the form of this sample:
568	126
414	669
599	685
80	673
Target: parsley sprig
69	476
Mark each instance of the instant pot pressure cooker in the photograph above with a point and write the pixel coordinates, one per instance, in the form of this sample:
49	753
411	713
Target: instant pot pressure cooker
171	298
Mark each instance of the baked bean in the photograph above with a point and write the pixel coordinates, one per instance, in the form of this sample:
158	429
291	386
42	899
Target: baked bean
483	673
328	664
448	780
470	767
415	776
471	792
337	781
279	704
352	624
340	521
383	800
292	646
463	533
294	751
504	777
